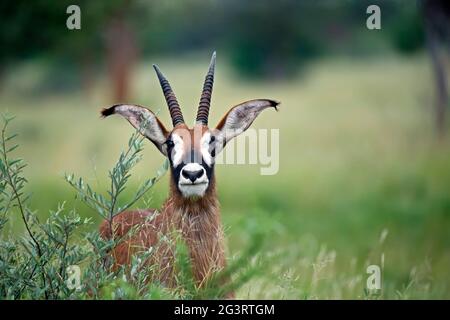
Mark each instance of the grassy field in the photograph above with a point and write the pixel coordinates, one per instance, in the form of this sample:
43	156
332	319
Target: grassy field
362	178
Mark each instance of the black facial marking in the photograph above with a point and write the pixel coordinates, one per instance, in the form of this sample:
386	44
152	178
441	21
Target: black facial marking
176	171
209	169
192	157
212	146
169	144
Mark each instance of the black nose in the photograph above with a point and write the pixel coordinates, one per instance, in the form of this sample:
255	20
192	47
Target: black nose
192	175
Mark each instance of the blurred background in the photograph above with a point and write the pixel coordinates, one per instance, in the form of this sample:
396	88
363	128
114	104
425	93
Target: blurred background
364	142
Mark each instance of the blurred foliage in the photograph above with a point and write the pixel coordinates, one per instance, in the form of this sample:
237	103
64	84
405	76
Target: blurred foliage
39	28
407	34
261	39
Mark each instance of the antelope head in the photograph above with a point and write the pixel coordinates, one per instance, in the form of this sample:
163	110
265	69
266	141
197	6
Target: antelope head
191	151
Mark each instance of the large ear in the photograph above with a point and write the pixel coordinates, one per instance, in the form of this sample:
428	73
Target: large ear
142	119
240	117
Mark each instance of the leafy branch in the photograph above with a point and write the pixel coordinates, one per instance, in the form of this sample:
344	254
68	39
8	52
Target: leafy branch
107	207
11	172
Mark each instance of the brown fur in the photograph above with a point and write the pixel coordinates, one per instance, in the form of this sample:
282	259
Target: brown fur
197	220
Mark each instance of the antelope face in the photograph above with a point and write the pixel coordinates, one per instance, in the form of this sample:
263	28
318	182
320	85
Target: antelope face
191	151
191	159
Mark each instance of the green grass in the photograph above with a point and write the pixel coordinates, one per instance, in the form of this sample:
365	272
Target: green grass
358	157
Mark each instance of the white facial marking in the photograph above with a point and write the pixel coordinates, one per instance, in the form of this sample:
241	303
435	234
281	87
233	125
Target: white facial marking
177	152
204	145
196	188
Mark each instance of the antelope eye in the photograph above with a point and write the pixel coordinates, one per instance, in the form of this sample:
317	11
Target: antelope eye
212	146
170	144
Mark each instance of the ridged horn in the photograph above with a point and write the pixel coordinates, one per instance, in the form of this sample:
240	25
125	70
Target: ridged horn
205	99
171	99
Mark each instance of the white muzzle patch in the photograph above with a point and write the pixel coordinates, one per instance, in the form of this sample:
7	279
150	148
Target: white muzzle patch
196	188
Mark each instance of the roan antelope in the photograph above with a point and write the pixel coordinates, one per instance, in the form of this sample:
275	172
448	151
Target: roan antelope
192	207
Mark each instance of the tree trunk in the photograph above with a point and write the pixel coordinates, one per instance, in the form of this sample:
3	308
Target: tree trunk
121	55
433	22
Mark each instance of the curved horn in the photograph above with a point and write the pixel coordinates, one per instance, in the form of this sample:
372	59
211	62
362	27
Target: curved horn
205	99
171	99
